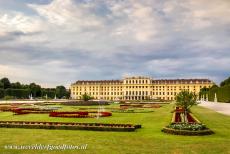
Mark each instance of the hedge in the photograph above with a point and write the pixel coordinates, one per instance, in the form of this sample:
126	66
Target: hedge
187	132
69	126
222	93
2	93
17	93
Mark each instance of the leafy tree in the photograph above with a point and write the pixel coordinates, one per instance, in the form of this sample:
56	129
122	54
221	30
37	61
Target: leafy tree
225	82
16	85
35	89
5	82
86	97
186	100
2	93
1	84
60	91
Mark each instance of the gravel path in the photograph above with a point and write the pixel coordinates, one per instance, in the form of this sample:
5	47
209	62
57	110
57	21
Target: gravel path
223	108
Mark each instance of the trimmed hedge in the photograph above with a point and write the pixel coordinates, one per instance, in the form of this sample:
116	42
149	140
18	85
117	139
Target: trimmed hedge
222	93
187	132
69	126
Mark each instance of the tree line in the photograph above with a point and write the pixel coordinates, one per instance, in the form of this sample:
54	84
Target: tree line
18	90
222	92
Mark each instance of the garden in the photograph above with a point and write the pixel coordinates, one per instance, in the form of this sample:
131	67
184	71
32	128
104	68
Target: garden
147	139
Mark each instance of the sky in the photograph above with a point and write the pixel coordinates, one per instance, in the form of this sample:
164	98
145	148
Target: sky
56	42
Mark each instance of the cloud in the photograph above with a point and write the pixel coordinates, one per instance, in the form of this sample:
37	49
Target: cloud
58	42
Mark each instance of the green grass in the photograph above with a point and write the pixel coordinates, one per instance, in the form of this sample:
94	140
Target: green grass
148	139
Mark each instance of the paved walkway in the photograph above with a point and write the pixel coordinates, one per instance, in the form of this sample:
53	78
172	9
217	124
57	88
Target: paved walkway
223	108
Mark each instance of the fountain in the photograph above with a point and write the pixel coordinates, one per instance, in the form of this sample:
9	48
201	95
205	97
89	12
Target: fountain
99	110
207	98
215	98
31	97
55	97
46	96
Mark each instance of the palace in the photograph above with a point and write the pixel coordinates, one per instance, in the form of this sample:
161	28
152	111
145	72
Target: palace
137	88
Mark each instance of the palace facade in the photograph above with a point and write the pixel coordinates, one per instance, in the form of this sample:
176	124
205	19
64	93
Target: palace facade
137	88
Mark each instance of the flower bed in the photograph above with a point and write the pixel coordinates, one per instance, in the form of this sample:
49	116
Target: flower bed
126	106
30	110
187	132
192	127
85	103
69	126
80	114
132	111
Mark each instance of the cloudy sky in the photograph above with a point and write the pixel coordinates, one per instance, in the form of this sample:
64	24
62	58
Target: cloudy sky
54	42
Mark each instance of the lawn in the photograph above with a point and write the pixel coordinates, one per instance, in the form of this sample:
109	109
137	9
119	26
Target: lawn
148	139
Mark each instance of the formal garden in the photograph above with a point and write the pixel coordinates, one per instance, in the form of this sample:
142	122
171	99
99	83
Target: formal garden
125	130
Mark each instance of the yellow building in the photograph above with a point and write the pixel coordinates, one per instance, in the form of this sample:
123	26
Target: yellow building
137	88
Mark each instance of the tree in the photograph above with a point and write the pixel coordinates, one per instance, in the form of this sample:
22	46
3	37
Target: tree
16	85
225	82
86	97
1	85
5	82
60	91
186	100
35	90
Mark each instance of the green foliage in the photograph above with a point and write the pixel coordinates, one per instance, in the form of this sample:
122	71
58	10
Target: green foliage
2	93
16	85
18	90
225	82
5	82
186	99
35	90
17	93
60	91
1	84
50	92
86	97
222	93
8	97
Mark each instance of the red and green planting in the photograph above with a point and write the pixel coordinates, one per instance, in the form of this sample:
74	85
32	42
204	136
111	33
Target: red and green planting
69	126
189	125
19	111
183	121
80	114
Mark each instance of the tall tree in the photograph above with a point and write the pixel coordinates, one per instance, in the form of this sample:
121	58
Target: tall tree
16	85
225	82
1	85
35	89
186	100
60	91
5	82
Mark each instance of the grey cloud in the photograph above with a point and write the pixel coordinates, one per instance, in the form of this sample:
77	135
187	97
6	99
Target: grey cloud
186	41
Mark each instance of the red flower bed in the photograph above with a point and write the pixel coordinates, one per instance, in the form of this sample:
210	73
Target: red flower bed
190	119
80	114
29	110
177	117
